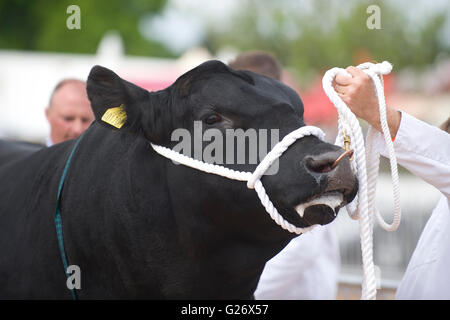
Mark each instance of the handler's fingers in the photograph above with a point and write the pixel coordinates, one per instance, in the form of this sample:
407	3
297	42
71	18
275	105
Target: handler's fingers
342	79
355	72
340	89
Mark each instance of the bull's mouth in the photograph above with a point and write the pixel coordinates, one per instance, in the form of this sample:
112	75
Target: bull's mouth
322	209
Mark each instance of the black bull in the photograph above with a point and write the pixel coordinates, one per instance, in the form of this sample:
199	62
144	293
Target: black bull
139	226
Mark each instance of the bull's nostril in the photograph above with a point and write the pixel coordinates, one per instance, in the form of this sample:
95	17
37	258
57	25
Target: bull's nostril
319	165
324	169
326	162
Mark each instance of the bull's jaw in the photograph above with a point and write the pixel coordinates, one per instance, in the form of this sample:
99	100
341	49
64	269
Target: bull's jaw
321	210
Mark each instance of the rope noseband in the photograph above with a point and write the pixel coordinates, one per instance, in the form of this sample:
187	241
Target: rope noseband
253	179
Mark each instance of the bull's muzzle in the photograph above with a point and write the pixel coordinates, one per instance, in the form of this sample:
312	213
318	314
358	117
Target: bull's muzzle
340	187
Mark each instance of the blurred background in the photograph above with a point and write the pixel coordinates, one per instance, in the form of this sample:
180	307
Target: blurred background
151	43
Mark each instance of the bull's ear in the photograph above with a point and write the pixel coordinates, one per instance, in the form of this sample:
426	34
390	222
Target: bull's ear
116	102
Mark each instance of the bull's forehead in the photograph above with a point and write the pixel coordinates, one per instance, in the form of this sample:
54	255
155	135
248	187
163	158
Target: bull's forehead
227	92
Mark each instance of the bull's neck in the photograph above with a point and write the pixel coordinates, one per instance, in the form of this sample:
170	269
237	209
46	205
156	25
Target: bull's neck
148	251
203	256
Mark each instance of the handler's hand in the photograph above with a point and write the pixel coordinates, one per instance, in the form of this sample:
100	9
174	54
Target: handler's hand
358	93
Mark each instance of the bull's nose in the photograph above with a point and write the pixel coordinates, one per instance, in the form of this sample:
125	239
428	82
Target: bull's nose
335	165
326	162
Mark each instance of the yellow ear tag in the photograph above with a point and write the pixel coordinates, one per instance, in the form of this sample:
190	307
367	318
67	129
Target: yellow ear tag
115	116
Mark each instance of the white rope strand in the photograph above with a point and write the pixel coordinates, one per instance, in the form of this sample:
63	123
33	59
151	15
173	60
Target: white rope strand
366	166
280	148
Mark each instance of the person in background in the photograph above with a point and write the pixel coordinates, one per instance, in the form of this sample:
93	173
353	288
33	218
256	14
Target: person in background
424	150
69	112
260	62
308	267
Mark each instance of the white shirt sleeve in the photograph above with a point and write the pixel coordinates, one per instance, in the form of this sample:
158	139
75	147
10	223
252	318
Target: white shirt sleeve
422	149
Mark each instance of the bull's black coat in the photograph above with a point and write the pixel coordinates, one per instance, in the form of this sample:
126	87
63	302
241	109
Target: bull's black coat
139	226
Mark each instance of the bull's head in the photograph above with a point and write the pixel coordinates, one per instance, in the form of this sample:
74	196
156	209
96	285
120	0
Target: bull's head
220	98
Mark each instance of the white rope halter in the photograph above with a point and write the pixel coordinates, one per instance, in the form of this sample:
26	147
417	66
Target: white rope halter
366	166
254	179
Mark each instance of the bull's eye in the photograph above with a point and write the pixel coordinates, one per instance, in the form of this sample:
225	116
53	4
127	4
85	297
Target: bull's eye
213	118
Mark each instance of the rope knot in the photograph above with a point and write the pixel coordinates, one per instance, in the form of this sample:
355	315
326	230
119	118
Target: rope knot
382	68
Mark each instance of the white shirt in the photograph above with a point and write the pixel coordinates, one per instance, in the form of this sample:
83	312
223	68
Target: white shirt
307	268
425	151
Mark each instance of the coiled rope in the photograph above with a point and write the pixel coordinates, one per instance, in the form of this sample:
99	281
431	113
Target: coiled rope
366	166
